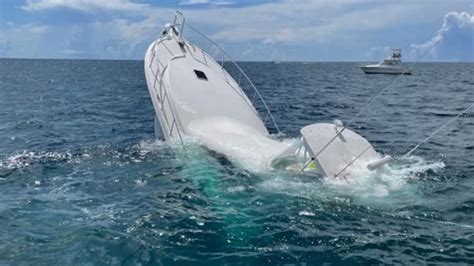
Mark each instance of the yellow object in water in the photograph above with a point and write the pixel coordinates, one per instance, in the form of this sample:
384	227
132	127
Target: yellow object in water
312	165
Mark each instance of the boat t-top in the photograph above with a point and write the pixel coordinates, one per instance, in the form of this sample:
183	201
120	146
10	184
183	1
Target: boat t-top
195	97
391	65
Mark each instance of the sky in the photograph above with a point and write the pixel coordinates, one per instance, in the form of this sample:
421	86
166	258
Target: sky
284	30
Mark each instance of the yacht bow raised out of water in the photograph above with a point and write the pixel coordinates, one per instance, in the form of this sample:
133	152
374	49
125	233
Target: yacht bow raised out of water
391	65
194	96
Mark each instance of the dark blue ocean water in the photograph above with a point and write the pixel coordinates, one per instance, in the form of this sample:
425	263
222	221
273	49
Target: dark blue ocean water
82	180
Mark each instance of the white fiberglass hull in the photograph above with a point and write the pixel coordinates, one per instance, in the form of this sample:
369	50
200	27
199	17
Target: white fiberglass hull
180	96
378	69
194	96
207	105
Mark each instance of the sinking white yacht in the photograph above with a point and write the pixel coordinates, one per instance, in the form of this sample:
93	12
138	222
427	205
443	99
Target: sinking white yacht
194	96
391	65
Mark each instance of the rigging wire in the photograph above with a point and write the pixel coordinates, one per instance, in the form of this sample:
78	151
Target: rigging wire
416	146
353	161
256	91
372	101
437	130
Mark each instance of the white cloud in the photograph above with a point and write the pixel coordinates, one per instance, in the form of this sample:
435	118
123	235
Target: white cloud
455	37
378	53
72	52
4	47
286	23
193	2
32	28
22	39
304	21
278	23
207	2
84	5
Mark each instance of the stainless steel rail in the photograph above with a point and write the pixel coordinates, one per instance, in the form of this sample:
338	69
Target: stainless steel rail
257	98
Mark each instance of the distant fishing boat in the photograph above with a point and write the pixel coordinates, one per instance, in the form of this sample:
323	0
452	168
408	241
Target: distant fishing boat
391	65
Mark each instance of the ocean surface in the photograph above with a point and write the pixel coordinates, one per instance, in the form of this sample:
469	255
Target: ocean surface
83	180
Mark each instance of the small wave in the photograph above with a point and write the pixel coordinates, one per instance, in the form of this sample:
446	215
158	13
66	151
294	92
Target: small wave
148	146
26	159
444	114
306	213
469	82
236	189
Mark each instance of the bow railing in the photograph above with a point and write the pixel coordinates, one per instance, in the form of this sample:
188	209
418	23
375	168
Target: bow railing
229	65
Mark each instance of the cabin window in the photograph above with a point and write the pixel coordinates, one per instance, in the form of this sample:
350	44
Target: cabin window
200	74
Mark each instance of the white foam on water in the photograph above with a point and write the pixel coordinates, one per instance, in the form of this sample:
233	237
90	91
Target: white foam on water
236	189
394	183
149	146
386	180
391	184
254	152
26	158
306	213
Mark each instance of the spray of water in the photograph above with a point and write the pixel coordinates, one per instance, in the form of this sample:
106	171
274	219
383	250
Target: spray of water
391	185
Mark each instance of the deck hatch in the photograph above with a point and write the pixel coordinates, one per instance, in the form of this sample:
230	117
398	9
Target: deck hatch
200	74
